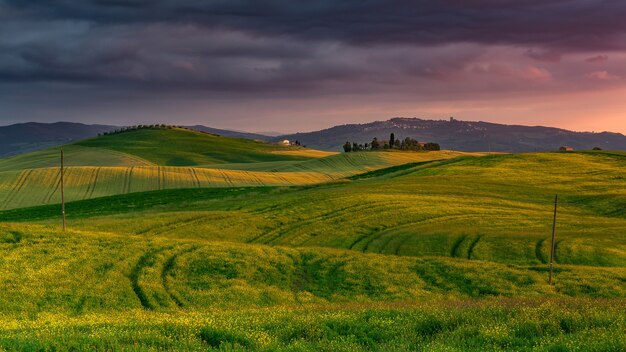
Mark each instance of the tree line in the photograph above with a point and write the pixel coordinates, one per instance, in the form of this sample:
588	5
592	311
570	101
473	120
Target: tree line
140	127
402	144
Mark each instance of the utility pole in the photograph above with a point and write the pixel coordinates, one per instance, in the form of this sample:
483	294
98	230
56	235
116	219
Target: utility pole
556	203
62	192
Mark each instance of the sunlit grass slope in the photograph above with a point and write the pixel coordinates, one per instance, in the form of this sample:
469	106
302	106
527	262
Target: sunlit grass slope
41	185
74	156
348	164
409	254
496	208
182	147
492	325
79	272
86	290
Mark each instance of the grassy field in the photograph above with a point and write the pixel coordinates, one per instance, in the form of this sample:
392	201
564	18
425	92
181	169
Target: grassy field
461	208
492	325
108	166
360	251
182	147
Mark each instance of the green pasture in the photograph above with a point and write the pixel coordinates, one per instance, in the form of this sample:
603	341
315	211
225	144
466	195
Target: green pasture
181	147
269	249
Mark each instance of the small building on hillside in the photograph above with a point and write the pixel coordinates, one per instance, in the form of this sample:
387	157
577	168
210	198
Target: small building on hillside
566	149
285	142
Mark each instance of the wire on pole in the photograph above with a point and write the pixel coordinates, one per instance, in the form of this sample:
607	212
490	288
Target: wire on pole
556	203
62	192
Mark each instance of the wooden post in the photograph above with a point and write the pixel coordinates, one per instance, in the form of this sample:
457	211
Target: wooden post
556	203
62	192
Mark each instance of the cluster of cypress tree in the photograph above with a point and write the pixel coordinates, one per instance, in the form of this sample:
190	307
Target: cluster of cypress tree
393	143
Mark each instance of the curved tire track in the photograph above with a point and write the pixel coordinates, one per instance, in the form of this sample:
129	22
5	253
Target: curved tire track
472	246
539	252
168	266
456	246
146	260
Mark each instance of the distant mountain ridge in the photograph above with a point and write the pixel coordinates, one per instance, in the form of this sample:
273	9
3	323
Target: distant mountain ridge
31	136
453	134
469	136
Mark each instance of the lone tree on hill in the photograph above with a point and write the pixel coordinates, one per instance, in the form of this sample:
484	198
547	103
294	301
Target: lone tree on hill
392	140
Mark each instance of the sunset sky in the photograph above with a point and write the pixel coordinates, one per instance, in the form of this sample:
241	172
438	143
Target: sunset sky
287	65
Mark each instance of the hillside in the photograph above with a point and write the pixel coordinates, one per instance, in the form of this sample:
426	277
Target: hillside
105	291
139	160
370	250
26	137
31	136
183	147
466	136
466	207
449	253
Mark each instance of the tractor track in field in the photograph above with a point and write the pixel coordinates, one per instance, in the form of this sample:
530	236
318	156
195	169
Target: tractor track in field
404	240
385	244
539	252
161	177
92	183
168	266
49	195
162	228
371	240
472	246
95	182
456	246
397	250
377	235
17	187
195	177
299	224
363	218
130	179
179	224
148	259
328	216
362	238
556	247
266	210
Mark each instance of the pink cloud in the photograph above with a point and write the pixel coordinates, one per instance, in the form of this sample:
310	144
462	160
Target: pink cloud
602	76
600	59
527	73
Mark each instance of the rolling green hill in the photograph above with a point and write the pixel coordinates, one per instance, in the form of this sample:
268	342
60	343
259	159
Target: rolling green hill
134	162
466	207
357	251
182	147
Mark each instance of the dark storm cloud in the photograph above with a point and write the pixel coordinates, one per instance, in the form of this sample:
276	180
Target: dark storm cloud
191	42
64	53
564	24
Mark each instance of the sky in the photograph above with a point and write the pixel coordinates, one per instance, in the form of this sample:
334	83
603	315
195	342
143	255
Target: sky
288	65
